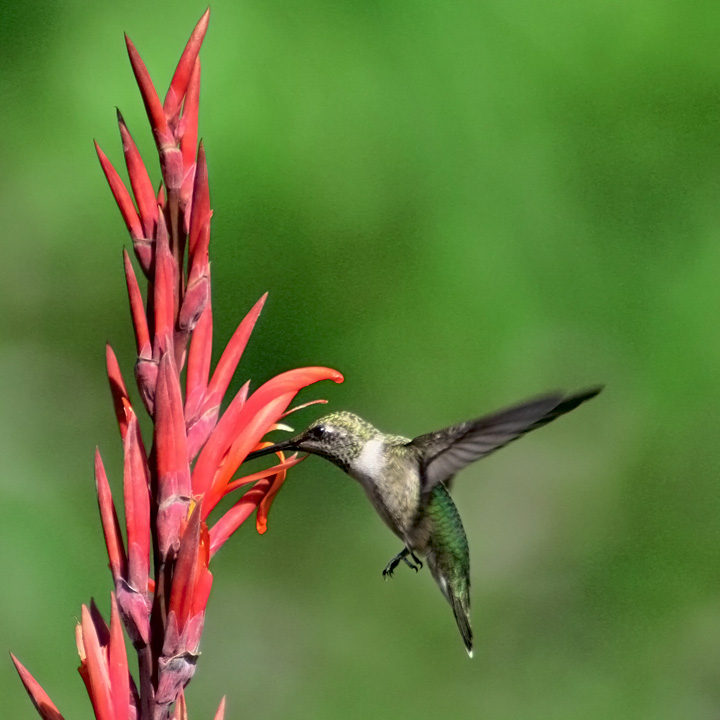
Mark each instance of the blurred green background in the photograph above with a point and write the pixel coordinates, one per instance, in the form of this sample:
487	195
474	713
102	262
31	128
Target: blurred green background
458	205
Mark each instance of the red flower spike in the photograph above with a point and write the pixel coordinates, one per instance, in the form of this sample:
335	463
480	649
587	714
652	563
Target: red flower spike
201	211
136	478
118	667
220	714
121	195
174	489
40	699
117	388
185	67
139	180
137	310
237	515
230	358
110	524
96	668
164	293
153	107
259	413
217	444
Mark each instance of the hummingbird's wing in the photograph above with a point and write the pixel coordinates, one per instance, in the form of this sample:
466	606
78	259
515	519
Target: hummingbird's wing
446	452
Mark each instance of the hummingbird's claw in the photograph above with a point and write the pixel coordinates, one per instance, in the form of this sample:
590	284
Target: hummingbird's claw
390	567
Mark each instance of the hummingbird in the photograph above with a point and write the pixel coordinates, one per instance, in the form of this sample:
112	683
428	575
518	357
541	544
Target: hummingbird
408	481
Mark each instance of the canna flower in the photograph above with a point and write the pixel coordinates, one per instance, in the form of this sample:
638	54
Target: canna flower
159	561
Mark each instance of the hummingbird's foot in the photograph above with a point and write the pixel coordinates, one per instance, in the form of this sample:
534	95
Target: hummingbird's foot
390	567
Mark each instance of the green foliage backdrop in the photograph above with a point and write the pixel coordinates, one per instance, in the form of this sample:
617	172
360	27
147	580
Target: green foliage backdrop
457	205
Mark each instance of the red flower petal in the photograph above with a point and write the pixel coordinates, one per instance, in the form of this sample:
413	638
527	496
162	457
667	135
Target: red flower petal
164	292
137	310
153	107
259	413
173	471
121	195
198	363
110	524
201	211
117	389
216	446
139	180
230	358
189	138
118	666
220	714
42	702
184	575
96	668
181	78
237	515
136	476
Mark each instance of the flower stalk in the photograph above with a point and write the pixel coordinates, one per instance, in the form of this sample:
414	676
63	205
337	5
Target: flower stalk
159	561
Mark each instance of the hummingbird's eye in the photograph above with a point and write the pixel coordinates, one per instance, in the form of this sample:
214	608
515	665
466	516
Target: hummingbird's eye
318	432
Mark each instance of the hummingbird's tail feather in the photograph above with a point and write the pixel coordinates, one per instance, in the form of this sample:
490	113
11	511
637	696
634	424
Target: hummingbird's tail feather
462	618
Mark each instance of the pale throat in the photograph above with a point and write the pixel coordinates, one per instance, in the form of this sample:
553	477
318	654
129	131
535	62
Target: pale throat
368	465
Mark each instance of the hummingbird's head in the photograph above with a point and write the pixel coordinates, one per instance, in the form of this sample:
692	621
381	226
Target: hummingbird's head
338	437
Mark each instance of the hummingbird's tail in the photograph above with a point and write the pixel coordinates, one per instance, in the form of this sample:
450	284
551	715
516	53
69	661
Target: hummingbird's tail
462	618
455	586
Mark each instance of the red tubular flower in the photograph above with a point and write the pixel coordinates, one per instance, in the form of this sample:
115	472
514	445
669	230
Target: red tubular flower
160	569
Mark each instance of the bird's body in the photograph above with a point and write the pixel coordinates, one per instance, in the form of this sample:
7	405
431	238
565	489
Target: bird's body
406	481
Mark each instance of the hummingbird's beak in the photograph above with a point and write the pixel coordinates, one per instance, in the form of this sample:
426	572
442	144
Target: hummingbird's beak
286	445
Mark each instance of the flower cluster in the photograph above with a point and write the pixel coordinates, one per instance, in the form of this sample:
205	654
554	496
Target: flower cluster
160	564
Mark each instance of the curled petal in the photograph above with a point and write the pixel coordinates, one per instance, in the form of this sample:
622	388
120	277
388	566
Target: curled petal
283	466
237	515
266	502
42	702
259	413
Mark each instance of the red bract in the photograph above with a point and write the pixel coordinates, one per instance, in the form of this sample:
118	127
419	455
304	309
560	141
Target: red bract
160	568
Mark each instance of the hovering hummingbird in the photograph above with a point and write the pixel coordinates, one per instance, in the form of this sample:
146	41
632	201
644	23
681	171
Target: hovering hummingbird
407	481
